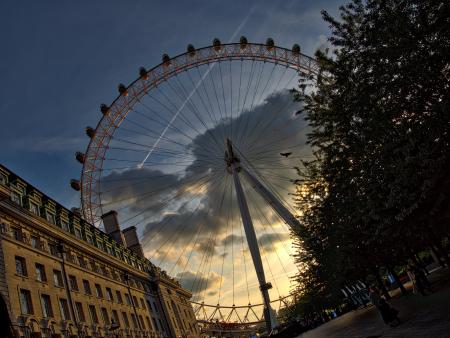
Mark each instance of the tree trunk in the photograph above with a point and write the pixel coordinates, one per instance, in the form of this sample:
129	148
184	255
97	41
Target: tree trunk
420	263
381	285
441	253
399	283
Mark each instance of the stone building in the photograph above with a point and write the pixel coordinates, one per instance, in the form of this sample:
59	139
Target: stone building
63	277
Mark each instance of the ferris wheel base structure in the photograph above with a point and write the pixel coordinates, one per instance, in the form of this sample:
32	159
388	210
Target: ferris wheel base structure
235	167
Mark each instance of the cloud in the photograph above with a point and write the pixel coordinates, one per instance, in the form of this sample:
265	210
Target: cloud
199	282
193	211
271	241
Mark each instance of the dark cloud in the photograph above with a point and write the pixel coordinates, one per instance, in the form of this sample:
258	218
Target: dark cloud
197	282
198	204
270	241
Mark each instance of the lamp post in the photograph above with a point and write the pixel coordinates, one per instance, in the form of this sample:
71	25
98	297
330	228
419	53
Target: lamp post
127	280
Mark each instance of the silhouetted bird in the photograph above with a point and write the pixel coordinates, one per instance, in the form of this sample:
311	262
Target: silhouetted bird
285	154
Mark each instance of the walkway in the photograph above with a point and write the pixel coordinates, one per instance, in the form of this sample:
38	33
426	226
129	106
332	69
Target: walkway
422	316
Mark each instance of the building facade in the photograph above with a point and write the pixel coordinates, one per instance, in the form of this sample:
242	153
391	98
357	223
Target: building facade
63	277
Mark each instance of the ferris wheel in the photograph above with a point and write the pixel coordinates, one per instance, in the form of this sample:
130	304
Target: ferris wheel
200	154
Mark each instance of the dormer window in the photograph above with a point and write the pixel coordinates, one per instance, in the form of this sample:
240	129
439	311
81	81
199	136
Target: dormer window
50	217
34	208
65	225
16	198
78	233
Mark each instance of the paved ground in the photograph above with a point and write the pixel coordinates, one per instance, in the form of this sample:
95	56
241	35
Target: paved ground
422	316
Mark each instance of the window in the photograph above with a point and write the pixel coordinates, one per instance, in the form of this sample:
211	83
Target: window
115	317
21	266
35	242
53	249
135	303
149	306
105	316
149	324
34	208
142	303
78	233
156	308
93	314
40	273
87	287
134	320
50	217
73	283
64	307
65	225
155	324
58	278
80	312
98	291
125	319
119	297
3	179
46	303
17	234
82	261
25	302
141	321
160	325
109	295
127	299
16	198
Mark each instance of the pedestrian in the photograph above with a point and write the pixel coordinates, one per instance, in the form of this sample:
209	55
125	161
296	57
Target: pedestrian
388	313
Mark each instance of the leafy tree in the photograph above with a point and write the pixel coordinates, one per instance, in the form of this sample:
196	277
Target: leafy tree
378	190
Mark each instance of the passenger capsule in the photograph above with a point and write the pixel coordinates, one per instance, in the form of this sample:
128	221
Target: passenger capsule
80	157
143	73
243	41
75	184
216	44
166	59
191	50
122	89
270	44
90	132
296	49
104	108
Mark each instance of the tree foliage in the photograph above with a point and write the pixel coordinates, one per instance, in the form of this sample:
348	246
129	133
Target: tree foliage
378	189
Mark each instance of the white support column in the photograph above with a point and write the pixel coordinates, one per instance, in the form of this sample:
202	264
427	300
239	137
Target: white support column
234	168
280	209
253	247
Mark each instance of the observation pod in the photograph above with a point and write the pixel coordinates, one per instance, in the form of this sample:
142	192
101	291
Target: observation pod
296	49
122	89
75	184
270	44
90	132
216	44
166	59
143	73
191	50
104	109
243	41
80	157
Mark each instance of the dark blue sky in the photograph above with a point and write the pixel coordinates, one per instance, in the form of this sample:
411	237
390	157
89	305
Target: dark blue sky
59	60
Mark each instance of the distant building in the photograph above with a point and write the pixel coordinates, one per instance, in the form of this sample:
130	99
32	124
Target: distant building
63	277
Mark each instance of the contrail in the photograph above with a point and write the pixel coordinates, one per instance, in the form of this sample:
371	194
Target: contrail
236	32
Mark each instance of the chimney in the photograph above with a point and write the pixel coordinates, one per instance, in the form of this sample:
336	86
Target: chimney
112	227
132	241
